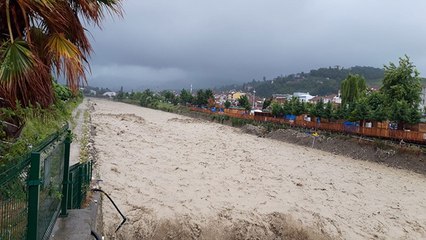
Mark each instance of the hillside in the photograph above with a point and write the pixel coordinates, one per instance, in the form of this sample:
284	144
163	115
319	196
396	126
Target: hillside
322	81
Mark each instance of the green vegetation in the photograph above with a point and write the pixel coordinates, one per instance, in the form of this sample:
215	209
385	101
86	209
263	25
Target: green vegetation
38	38
220	118
39	123
167	100
204	97
84	139
267	103
41	37
401	90
185	97
398	99
244	102
352	88
322	81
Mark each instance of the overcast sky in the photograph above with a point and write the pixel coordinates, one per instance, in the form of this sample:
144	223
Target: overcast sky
163	44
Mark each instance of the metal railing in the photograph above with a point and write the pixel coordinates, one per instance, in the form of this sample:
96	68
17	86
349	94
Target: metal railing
13	202
41	186
80	175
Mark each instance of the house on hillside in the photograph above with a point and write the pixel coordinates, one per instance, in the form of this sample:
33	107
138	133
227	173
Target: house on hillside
220	98
281	98
333	98
316	99
235	95
303	97
337	99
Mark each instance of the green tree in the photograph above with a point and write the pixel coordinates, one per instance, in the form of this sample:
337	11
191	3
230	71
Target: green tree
378	109
339	113
277	109
328	111
352	88
170	97
267	103
297	107
401	89
227	104
287	108
361	111
185	97
41	37
149	99
243	101
209	94
318	110
203	97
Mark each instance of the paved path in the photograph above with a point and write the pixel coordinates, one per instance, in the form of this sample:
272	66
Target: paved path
78	224
77	130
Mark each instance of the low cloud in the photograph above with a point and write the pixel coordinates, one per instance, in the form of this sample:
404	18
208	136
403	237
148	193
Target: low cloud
135	77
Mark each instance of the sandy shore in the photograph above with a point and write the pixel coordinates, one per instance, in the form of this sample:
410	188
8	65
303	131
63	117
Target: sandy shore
189	178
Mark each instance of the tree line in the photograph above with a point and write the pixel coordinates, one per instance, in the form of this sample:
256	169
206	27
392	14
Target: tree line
397	100
149	98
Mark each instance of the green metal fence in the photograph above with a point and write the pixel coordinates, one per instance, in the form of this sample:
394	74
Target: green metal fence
80	175
13	201
39	187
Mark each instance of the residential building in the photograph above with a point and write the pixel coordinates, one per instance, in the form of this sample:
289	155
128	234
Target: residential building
303	97
422	104
281	98
236	95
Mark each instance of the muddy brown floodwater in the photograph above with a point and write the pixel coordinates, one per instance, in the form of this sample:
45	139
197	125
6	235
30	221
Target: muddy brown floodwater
181	178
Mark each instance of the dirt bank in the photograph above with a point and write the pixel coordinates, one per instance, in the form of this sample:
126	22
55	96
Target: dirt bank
181	178
393	154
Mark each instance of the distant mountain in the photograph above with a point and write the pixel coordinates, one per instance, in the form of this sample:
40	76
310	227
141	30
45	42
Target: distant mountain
322	81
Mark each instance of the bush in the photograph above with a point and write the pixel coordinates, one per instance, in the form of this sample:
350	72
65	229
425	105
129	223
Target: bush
39	123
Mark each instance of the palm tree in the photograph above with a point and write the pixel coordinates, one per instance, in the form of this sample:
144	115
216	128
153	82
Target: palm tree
42	37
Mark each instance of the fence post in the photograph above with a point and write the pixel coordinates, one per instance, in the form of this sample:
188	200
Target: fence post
34	182
90	170
70	203
65	180
79	187
86	171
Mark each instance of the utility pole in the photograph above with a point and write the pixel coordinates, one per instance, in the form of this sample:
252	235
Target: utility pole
254	98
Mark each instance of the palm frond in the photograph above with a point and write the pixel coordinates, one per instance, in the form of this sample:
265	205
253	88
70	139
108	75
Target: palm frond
60	46
51	38
23	76
67	58
17	61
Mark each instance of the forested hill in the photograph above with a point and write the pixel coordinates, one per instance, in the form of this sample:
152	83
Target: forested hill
322	81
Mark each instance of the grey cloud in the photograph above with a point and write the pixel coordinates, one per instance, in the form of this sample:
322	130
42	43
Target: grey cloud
210	43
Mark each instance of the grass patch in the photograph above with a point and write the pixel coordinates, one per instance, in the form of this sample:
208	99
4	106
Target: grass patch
84	140
39	124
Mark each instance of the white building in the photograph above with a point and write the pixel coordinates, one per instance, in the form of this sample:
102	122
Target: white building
109	94
303	97
422	104
338	98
